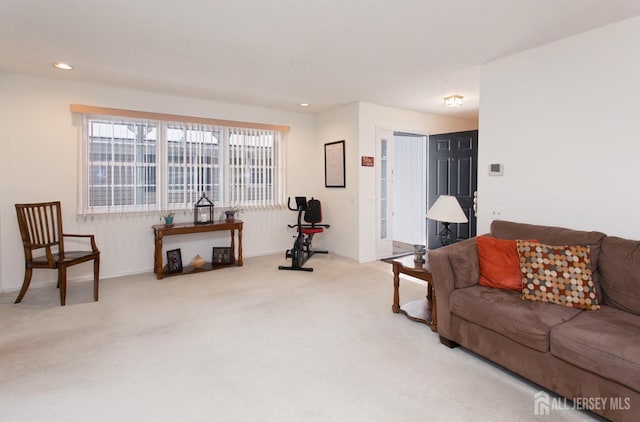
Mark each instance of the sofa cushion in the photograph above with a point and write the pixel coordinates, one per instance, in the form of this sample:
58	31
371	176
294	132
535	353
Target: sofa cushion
606	342
557	274
465	266
499	263
620	271
504	312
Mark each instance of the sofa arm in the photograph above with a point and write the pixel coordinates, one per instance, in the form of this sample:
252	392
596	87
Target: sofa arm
441	261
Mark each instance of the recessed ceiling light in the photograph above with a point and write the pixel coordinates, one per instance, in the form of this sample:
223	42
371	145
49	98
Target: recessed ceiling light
453	101
304	104
62	66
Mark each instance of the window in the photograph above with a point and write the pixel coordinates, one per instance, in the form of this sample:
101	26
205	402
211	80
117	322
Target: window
193	164
121	171
136	165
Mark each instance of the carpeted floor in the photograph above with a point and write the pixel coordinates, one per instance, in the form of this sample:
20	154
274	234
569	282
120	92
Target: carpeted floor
244	344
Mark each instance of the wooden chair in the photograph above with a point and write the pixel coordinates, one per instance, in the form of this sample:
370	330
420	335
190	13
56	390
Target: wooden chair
41	228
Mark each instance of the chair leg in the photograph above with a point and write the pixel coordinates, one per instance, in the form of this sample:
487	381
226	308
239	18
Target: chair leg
62	280
25	284
96	278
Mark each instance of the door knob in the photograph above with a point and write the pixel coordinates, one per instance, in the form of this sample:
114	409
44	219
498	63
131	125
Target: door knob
475	203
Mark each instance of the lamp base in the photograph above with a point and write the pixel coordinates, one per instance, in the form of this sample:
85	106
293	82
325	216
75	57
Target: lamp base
446	235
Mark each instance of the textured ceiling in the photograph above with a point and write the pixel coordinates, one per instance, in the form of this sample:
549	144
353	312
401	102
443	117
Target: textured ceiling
278	53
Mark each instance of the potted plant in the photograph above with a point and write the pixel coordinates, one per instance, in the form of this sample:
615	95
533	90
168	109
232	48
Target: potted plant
231	213
168	218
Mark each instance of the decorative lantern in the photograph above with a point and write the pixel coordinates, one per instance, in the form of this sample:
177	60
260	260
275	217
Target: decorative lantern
203	211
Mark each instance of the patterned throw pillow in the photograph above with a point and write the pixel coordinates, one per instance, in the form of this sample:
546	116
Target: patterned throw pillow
557	274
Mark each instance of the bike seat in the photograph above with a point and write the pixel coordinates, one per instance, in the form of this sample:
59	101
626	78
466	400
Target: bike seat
313	230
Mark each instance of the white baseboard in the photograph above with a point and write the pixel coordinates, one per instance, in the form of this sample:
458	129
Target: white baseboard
89	277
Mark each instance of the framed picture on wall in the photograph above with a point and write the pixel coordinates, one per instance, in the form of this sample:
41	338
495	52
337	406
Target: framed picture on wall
334	165
174	261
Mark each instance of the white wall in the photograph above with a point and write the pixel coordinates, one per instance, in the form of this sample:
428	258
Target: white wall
339	206
38	163
563	118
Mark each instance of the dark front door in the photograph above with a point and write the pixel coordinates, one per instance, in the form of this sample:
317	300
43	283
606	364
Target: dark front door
452	170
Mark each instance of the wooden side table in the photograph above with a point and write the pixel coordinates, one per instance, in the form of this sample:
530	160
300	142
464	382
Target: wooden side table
162	230
422	310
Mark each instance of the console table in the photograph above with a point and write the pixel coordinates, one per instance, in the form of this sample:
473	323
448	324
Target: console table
422	310
162	230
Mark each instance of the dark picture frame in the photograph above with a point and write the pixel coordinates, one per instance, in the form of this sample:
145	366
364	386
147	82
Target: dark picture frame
174	261
221	256
334	164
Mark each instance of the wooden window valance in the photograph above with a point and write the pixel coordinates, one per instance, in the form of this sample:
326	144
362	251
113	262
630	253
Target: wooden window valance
87	109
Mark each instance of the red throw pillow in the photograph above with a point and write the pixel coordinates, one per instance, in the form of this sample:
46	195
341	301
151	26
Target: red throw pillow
499	263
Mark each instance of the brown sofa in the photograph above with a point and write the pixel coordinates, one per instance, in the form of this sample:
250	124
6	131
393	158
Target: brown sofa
578	354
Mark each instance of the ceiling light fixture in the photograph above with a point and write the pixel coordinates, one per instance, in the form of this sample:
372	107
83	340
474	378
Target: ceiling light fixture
62	66
304	104
453	101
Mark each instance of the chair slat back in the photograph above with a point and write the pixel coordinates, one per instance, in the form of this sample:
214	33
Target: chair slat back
40	224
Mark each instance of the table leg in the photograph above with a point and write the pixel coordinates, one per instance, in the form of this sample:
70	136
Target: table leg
396	289
233	245
240	246
434	313
157	257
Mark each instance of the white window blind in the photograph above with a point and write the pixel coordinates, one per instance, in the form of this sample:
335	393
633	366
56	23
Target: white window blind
193	164
120	166
136	165
255	176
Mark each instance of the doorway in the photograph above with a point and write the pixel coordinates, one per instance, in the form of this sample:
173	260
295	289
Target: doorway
400	191
409	181
453	170
448	165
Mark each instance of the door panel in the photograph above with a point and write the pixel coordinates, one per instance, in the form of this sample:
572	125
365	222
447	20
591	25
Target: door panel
442	176
465	170
452	170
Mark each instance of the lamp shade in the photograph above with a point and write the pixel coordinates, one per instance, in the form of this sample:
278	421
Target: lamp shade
447	209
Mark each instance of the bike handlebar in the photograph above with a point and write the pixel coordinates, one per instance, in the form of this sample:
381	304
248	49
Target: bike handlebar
289	204
301	203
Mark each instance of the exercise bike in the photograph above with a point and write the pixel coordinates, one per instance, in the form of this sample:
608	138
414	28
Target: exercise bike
311	213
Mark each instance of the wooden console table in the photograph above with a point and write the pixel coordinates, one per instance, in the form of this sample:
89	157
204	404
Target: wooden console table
161	230
422	310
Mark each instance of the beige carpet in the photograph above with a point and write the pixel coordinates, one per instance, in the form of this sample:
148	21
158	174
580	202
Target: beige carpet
244	344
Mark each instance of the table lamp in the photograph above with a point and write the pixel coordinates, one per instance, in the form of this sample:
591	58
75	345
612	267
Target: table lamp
447	210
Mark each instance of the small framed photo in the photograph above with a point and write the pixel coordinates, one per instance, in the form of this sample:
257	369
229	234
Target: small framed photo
367	161
221	255
174	261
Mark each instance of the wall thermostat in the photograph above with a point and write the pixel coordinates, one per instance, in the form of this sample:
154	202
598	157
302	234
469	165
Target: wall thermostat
496	169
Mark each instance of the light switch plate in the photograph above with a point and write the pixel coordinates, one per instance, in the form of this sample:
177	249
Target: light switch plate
496	169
